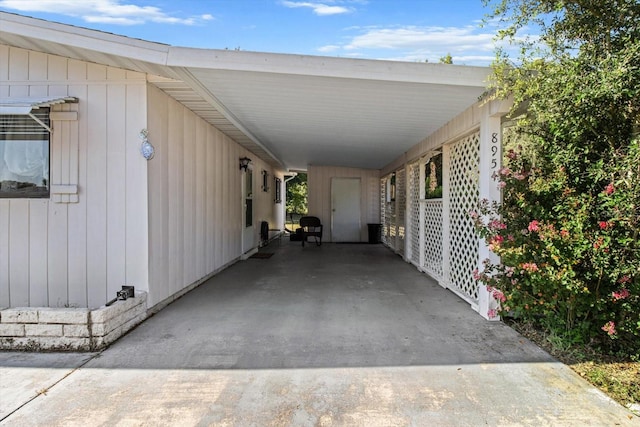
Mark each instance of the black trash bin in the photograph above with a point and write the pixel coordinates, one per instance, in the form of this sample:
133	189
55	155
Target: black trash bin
374	232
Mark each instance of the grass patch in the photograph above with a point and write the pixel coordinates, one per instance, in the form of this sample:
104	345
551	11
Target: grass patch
618	376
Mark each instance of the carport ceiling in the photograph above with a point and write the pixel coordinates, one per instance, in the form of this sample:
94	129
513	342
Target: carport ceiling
291	110
354	121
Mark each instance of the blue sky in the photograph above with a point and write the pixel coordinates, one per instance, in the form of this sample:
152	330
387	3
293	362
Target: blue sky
406	30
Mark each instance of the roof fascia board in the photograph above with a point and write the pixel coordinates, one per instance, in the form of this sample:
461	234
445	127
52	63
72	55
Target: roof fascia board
83	38
185	57
320	66
188	78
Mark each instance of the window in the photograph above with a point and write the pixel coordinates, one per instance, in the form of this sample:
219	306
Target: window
24	155
278	187
433	177
391	188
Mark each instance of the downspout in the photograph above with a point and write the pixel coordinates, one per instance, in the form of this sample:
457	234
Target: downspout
285	199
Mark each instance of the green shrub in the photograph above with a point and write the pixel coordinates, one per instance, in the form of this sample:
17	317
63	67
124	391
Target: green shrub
569	259
567	231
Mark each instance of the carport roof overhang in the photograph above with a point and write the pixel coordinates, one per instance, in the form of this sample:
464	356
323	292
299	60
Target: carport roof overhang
290	110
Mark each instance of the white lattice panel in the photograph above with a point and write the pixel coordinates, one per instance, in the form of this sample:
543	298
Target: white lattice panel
433	237
414	212
464	193
383	209
401	206
388	223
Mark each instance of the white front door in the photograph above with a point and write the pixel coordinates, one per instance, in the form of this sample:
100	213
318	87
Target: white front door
248	230
345	210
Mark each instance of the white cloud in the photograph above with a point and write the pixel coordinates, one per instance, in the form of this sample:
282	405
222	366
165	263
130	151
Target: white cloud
320	9
419	38
329	48
102	11
468	45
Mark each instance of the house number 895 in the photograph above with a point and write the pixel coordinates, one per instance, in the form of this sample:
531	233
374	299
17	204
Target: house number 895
494	150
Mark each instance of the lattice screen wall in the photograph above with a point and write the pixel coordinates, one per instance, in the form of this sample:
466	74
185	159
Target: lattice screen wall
464	193
401	207
413	229
433	237
389	216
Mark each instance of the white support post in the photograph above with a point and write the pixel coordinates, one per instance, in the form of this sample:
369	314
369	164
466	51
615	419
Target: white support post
407	212
446	222
422	207
490	163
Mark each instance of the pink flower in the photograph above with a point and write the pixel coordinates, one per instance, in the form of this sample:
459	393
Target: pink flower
505	171
564	233
502	184
497	225
603	225
624	279
529	266
598	243
609	328
497	239
621	294
534	226
476	274
609	189
473	214
492	313
499	296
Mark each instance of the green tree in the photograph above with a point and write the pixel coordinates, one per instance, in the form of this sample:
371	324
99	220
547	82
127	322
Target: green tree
297	195
447	59
568	228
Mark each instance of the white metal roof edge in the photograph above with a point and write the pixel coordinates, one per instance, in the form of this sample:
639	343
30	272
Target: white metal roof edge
324	66
186	57
84	38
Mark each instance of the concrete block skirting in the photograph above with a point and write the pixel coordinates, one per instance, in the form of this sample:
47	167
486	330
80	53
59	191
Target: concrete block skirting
69	329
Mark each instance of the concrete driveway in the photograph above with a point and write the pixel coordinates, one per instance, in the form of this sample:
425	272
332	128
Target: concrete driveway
329	336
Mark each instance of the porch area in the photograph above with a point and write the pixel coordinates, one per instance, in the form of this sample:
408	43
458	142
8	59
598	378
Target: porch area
338	334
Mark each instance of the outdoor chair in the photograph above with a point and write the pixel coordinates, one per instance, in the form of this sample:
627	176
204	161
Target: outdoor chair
311	226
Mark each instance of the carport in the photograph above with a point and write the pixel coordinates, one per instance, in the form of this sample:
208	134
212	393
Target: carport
168	222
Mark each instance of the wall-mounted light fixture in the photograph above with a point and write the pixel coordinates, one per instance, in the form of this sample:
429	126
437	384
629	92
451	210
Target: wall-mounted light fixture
146	149
244	163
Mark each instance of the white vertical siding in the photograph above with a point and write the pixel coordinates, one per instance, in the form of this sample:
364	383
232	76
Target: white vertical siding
319	199
195	215
76	250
